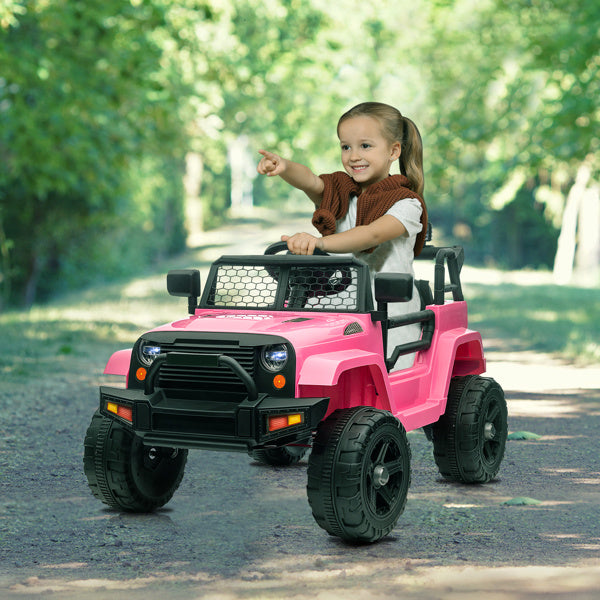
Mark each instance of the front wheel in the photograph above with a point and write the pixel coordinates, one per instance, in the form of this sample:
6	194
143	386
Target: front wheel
470	437
124	473
359	474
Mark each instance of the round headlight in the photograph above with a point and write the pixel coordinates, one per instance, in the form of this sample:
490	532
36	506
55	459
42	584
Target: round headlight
274	357
148	352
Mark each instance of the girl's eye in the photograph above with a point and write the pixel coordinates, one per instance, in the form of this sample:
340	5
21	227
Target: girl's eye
365	145
345	147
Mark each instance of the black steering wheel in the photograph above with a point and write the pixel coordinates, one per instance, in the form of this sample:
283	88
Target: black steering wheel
312	281
281	246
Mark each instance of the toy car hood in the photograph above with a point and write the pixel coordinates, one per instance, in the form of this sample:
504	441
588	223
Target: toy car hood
299	328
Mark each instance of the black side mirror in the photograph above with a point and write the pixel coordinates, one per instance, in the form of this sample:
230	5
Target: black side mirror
393	287
186	283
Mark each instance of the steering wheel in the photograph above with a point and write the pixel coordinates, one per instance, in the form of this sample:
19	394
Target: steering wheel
314	282
280	246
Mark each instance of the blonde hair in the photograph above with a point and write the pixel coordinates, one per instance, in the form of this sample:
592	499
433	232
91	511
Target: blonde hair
396	128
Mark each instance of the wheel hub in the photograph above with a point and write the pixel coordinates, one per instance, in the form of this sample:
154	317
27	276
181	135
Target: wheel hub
380	476
489	431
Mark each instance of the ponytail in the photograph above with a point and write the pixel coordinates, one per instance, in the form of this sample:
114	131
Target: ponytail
411	157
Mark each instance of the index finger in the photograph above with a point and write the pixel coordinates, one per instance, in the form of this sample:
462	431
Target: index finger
268	154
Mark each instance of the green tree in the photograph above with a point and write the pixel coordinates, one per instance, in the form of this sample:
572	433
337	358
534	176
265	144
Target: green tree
89	91
514	96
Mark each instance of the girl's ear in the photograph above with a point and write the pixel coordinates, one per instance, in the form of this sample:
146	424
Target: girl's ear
396	151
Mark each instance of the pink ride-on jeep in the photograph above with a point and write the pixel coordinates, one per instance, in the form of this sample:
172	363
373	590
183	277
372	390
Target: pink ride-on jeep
284	352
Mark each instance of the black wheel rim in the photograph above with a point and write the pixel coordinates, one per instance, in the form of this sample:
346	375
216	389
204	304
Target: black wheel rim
384	476
493	432
154	468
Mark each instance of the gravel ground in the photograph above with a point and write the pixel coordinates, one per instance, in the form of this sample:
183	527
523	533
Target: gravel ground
236	529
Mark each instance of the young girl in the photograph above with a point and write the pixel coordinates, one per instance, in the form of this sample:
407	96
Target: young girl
380	218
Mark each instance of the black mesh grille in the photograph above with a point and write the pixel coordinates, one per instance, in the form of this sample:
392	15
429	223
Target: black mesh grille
247	286
305	287
183	381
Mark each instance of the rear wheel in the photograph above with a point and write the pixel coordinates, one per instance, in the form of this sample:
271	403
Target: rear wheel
124	473
470	437
359	474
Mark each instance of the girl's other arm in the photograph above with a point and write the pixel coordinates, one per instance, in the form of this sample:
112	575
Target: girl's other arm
295	174
354	240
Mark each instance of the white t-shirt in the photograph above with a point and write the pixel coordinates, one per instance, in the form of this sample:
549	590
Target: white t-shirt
394	256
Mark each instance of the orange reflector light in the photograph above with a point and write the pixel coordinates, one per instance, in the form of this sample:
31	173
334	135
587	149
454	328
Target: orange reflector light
141	374
125	412
294	419
282	421
279	381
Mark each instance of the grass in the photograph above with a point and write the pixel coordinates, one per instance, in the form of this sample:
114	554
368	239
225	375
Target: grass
559	320
78	333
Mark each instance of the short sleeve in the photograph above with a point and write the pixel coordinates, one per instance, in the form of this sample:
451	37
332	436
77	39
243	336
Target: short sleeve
408	212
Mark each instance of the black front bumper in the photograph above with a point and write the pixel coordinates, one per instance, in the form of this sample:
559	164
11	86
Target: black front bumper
187	423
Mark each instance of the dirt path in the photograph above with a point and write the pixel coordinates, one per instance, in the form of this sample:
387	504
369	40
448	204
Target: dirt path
239	530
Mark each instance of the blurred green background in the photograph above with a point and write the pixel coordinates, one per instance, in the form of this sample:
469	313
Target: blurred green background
127	125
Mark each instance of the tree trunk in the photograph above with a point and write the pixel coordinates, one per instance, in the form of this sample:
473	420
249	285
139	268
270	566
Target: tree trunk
5	269
587	258
33	280
243	171
567	240
193	204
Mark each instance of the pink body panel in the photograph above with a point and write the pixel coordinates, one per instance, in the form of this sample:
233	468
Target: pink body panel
350	368
118	363
417	395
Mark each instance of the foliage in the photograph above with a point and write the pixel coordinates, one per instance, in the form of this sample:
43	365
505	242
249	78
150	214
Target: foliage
101	100
516	86
85	104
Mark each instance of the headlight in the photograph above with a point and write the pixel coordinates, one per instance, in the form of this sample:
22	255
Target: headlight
274	357
148	352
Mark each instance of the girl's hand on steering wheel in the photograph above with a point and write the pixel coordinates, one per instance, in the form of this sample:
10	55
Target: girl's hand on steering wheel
303	243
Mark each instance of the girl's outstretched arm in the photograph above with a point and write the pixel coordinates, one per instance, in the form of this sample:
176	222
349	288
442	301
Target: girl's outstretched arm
354	240
295	174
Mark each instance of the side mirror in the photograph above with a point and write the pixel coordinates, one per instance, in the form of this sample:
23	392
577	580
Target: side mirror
186	283
393	287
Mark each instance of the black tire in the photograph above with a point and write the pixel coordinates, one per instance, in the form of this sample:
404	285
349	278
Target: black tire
283	456
359	474
469	439
125	474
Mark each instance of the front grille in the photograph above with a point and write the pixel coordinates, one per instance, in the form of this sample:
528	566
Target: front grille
215	383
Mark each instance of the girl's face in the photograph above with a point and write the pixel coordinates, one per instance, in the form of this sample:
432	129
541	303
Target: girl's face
366	154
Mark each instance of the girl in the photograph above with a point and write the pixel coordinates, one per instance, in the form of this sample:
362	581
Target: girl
380	218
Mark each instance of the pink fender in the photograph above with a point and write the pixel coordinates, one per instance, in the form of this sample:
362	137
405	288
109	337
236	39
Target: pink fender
118	363
325	369
456	355
348	377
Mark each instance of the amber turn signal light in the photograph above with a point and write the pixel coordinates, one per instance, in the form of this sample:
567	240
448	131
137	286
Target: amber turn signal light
125	412
279	381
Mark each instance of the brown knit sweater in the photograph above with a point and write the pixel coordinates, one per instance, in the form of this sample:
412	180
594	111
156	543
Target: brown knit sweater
373	203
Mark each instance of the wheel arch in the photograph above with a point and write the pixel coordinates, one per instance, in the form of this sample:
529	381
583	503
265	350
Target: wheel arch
118	363
348	379
457	355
